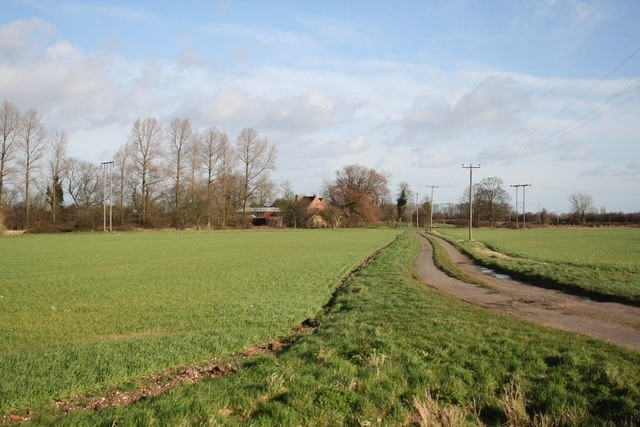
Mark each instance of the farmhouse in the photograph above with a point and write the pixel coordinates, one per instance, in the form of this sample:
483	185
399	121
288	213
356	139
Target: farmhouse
315	206
265	216
309	210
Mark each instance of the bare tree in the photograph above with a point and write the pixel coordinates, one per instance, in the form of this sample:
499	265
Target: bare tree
194	203
84	183
226	195
491	200
57	167
256	158
213	146
146	149
9	132
264	192
581	204
32	145
121	161
359	192
180	140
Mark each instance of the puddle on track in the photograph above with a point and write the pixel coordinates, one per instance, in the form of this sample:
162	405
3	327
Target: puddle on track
494	274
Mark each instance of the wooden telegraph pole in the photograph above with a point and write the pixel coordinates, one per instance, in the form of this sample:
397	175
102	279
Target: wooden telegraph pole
431	210
107	169
471	168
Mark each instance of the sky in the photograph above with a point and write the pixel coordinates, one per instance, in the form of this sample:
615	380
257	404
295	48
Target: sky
545	92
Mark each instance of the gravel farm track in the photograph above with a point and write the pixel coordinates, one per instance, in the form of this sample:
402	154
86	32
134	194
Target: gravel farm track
612	322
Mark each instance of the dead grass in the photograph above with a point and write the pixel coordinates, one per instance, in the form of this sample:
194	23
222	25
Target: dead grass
430	413
514	404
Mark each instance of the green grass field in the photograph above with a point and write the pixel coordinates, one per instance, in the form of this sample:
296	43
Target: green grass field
84	311
602	261
391	351
93	312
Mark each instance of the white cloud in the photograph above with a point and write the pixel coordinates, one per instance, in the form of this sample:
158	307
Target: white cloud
438	159
119	12
355	146
262	36
576	154
493	106
298	115
631	170
21	38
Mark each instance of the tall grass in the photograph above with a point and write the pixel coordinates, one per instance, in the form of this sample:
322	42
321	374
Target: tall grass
82	311
597	261
390	351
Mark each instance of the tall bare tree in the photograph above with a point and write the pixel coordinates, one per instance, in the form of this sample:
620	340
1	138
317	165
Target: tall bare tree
146	150
180	144
121	161
58	161
212	149
581	204
226	182
9	132
32	145
195	206
256	158
85	186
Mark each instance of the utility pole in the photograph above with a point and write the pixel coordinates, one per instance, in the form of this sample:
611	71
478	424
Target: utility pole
524	213
431	210
107	167
417	208
524	186
516	209
471	168
539	213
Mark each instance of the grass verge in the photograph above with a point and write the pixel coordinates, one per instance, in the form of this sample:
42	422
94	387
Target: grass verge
601	264
391	351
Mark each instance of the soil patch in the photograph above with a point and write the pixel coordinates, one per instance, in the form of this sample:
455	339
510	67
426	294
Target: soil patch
609	321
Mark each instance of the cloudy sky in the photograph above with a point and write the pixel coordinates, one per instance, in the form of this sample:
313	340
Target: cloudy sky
542	92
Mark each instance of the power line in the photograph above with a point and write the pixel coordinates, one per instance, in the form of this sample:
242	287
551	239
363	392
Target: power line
564	131
576	124
592	87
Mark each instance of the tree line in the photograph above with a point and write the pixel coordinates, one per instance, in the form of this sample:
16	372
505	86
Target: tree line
162	176
170	175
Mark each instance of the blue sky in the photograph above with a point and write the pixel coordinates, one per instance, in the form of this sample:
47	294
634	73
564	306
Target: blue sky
412	88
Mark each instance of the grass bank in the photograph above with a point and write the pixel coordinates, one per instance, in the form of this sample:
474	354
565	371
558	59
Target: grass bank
600	263
391	351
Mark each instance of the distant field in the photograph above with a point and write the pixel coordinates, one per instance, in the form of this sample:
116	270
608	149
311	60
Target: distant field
605	260
80	311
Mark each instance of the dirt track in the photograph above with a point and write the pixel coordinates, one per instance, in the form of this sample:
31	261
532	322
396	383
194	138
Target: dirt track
616	323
